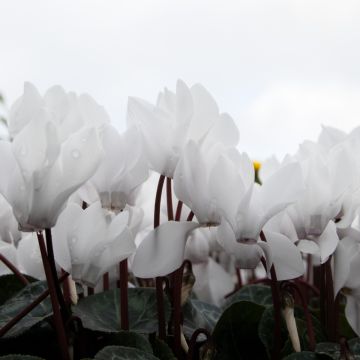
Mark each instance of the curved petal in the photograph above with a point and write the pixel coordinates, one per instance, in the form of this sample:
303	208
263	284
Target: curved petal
286	257
352	312
345	251
162	251
80	155
24	109
60	232
212	282
308	247
328	241
29	257
247	256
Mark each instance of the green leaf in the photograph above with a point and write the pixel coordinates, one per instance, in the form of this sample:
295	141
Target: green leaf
304	355
101	312
16	304
256	293
11	285
328	348
128	339
123	353
266	330
162	350
199	314
236	333
354	346
20	357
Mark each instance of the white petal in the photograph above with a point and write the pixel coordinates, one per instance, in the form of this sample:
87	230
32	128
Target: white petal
352	312
80	155
281	189
308	247
328	241
162	251
24	109
67	220
343	255
286	257
212	282
29	257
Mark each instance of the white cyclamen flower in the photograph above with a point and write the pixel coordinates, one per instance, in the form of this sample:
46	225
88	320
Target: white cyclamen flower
190	114
122	170
39	172
87	243
68	111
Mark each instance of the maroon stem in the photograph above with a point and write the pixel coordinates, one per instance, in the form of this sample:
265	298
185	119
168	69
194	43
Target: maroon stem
239	278
193	339
66	289
159	280
29	308
90	291
14	269
309	324
277	307
323	306
59	326
124	310
106	283
331	323
178	210
190	216
169	201
50	251
177	284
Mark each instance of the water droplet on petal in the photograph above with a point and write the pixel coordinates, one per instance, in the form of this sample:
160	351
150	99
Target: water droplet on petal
23	150
75	154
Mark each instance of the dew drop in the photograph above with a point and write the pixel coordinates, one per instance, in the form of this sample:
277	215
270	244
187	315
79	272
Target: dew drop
75	154
23	150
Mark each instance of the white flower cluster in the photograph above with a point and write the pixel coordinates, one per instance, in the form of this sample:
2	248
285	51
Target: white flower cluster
67	168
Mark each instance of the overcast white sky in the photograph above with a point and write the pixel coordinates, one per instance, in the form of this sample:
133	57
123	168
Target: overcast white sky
280	68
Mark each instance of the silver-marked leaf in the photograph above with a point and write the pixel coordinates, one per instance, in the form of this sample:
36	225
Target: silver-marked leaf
199	314
19	357
123	353
20	301
101	312
328	348
307	355
239	321
256	293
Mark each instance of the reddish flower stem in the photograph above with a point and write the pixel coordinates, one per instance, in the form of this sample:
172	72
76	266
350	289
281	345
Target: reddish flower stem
309	324
14	269
159	280
277	307
178	210
106	284
29	308
124	310
190	216
66	289
59	325
169	201
90	291
330	300
50	251
193	339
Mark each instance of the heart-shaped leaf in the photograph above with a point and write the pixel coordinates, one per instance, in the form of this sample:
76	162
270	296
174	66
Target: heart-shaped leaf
123	353
101	312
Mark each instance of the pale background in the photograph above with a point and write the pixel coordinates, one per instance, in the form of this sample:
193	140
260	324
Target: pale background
280	68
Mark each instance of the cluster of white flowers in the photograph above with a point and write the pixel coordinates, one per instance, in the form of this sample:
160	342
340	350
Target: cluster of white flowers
67	168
